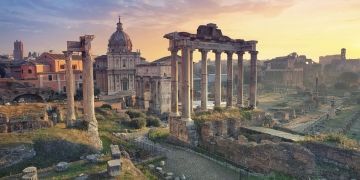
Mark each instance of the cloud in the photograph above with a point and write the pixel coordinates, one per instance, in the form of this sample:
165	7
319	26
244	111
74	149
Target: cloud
144	13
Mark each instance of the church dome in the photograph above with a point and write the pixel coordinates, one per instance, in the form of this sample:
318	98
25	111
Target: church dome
119	41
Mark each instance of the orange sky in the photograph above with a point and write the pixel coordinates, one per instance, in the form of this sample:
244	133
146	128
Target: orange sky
309	27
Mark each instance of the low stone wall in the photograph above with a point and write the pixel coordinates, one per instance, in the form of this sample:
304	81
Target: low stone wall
182	131
288	158
24	125
349	159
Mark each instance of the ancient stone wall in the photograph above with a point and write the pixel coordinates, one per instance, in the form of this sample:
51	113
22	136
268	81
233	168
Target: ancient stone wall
349	159
259	154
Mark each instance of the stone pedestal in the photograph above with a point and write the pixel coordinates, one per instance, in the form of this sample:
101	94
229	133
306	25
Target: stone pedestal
183	131
114	167
70	90
115	151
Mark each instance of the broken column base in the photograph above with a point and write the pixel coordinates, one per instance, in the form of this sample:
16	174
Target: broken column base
114	167
183	131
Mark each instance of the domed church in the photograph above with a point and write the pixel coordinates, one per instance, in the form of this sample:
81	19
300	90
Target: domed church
115	71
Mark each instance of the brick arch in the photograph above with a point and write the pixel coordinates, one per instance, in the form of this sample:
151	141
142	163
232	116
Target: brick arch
28	97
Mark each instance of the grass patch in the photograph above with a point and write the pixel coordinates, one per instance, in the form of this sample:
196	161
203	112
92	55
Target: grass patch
337	139
222	113
158	134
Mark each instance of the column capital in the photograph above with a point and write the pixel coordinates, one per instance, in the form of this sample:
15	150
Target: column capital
229	52
174	50
217	51
240	53
253	52
68	55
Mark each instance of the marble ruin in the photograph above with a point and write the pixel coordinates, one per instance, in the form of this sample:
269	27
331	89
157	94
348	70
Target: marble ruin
208	38
84	46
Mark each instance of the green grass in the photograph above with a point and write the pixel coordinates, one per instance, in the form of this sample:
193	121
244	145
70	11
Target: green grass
337	139
158	134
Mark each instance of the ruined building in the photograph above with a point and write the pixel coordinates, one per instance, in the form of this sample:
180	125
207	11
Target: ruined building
287	71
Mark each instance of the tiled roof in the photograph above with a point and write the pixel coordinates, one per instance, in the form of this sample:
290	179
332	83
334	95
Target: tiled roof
62	56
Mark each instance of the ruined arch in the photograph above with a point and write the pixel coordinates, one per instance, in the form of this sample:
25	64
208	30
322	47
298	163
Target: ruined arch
29	98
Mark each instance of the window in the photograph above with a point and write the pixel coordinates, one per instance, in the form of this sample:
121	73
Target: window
29	71
22	71
64	88
73	66
62	66
124	65
80	76
50	77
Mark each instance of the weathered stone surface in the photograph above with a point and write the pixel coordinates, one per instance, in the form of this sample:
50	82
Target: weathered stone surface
30	173
62	166
15	154
93	158
242	139
30	169
162	163
350	159
288	158
114	167
125	154
151	166
159	169
115	151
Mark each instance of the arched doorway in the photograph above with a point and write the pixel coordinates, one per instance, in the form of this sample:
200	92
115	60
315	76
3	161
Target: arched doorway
28	98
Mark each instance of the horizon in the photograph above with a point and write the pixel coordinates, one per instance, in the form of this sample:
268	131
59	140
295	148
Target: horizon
280	27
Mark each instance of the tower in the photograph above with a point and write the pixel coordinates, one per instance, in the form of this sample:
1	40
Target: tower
18	50
343	55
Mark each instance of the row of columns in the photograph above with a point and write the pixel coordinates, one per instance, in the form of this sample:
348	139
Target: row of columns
187	80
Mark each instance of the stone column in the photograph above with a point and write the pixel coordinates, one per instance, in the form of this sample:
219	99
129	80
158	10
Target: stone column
217	78
229	82
240	79
174	83
70	88
204	80
191	82
186	113
88	91
253	79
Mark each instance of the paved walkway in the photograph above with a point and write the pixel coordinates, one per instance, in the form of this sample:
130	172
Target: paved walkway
273	132
195	166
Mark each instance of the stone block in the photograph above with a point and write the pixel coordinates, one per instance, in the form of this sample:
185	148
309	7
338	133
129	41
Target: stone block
30	176
151	166
162	163
62	166
30	169
158	169
242	139
114	167
115	151
93	158
182	177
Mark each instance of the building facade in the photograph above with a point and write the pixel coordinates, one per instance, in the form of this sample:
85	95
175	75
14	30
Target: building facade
153	85
115	71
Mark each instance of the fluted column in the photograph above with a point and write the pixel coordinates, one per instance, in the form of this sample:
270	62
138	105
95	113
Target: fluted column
88	91
204	80
174	83
217	78
229	82
240	79
186	113
70	90
191	81
253	78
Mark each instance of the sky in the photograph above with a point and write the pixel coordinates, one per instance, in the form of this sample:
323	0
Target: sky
309	27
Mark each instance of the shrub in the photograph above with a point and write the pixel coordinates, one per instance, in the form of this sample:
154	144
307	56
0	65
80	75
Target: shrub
158	134
153	121
135	114
138	123
218	109
124	118
106	106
